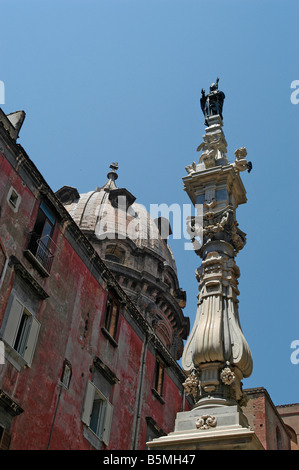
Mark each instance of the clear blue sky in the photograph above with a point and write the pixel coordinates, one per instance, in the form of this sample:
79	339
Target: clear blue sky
120	80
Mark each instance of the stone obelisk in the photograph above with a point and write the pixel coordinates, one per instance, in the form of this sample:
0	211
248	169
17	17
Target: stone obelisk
216	356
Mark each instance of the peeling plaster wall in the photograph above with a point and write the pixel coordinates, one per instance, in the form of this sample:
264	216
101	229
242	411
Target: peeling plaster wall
71	320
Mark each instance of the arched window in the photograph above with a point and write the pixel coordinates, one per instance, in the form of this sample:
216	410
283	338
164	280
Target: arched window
115	253
163	330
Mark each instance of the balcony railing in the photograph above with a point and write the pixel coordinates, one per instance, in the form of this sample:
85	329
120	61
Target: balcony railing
44	255
39	248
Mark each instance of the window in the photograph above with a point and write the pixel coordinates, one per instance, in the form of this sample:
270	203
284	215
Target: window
157	389
163	329
21	331
153	430
159	377
97	413
40	238
3	263
2	353
66	374
4	439
111	315
115	253
13	199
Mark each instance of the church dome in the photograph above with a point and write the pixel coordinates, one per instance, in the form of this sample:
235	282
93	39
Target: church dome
96	215
135	248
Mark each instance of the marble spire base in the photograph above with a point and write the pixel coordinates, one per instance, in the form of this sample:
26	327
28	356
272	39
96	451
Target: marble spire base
209	428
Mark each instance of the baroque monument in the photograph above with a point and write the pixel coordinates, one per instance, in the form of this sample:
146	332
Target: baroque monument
216	355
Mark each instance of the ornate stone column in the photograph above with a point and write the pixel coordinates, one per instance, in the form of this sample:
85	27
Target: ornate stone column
216	356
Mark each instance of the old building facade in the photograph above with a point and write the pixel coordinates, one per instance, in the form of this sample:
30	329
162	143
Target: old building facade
273	431
84	366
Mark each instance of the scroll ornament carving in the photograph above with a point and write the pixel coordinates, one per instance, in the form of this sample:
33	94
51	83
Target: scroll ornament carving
206	422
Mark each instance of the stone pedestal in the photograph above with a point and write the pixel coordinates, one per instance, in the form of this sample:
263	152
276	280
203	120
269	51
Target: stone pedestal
209	428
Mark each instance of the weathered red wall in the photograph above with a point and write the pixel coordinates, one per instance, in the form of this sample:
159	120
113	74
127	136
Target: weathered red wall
264	419
71	320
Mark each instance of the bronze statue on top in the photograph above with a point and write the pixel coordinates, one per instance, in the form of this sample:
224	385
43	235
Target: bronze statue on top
212	103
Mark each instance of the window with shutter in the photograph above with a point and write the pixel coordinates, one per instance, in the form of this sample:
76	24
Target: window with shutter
13	321
66	373
97	413
31	340
159	380
40	240
107	423
21	330
112	314
5	439
159	377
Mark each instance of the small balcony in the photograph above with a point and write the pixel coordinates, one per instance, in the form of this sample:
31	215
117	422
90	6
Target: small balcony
39	253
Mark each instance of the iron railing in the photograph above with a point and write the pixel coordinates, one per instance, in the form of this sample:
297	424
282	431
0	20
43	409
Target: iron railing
40	249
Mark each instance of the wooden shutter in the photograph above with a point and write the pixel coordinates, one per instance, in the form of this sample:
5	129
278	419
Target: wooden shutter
107	423
88	403
31	341
13	321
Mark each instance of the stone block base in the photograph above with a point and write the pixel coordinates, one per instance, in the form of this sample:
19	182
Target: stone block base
209	428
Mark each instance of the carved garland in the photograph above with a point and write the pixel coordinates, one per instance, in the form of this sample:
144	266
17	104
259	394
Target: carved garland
227	376
191	385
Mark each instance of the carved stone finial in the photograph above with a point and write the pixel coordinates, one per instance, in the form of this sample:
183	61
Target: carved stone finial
114	166
112	175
